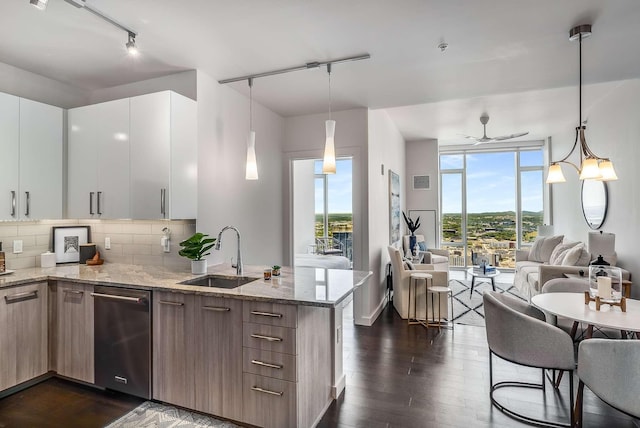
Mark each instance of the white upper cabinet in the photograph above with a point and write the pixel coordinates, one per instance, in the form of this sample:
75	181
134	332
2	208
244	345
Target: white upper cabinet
31	160
10	137
163	156
98	161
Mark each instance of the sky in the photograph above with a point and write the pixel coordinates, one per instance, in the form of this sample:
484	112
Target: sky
339	187
491	182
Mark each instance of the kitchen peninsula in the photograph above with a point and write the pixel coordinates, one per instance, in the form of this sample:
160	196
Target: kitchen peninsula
267	353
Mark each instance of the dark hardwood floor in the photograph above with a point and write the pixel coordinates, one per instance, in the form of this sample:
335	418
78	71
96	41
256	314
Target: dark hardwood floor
406	376
61	403
397	376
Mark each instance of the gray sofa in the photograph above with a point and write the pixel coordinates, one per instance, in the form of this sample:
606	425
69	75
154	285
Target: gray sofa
533	270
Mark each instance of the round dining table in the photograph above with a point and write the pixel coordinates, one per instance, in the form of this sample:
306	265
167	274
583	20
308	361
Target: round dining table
572	306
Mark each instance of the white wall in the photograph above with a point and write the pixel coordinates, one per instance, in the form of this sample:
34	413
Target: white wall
25	84
304	218
386	147
183	83
422	159
224	196
612	131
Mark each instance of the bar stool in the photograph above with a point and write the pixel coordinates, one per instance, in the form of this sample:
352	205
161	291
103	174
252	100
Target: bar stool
413	281
440	290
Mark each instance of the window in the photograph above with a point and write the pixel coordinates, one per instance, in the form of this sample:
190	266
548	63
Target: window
491	202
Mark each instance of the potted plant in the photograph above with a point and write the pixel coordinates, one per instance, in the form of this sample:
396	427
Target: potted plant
412	226
195	248
275	270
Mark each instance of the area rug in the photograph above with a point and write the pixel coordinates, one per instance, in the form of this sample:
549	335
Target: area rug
156	415
468	309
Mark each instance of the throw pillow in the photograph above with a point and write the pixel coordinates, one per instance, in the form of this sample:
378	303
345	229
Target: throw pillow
422	246
577	256
557	256
543	247
408	265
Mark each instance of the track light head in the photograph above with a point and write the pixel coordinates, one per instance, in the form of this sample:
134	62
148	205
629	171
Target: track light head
131	45
39	4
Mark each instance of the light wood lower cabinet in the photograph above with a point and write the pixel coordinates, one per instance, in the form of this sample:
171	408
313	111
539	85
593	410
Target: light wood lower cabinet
74	331
197	353
23	333
218	351
286	364
173	348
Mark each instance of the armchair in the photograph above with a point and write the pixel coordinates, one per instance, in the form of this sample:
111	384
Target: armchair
329	246
433	256
401	277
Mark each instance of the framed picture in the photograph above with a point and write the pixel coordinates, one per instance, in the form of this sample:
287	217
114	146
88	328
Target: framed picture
394	207
67	241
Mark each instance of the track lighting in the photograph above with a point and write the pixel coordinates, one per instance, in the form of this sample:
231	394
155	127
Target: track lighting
131	45
329	161
251	172
40	4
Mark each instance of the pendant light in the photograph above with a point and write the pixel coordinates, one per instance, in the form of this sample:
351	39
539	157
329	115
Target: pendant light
329	162
252	166
591	165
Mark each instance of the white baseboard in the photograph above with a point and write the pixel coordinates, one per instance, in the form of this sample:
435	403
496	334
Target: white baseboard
370	319
337	389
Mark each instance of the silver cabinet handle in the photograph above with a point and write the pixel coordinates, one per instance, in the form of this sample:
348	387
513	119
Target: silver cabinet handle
13	203
116	297
266	391
98	200
267	338
263	364
28	295
166	302
120	379
163	195
91	203
28	195
216	308
266	314
77	292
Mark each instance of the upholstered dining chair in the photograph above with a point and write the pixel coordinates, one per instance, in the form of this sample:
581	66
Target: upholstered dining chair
610	369
517	332
401	277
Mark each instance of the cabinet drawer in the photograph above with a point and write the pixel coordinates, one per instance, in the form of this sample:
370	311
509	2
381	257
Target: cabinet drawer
270	314
271	364
269	338
268	402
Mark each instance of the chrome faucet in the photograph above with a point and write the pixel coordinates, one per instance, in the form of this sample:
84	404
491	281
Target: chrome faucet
238	264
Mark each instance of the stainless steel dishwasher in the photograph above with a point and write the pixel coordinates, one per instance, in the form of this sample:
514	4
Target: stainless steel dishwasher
122	342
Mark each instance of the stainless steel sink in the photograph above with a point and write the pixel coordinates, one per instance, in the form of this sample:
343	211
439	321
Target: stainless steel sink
219	281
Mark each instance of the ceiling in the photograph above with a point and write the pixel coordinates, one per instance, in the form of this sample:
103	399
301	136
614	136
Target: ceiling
502	54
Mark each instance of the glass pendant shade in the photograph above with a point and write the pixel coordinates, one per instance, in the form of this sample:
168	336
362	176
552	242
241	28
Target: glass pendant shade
607	171
555	174
329	162
590	169
252	165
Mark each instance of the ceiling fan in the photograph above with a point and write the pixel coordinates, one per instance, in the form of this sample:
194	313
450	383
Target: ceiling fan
484	119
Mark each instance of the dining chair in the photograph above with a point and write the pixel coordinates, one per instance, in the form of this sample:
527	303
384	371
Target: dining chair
610	369
518	333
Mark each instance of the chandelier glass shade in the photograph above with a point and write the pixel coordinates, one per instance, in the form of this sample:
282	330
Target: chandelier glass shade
591	166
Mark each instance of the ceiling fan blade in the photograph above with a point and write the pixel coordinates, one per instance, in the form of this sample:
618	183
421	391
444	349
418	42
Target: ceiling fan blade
469	137
508	137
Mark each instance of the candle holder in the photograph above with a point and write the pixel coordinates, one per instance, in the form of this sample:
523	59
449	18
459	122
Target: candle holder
599	302
605	282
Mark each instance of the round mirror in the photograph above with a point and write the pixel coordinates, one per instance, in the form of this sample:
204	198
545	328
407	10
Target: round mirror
594	202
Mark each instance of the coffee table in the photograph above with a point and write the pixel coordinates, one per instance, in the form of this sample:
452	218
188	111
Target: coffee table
489	276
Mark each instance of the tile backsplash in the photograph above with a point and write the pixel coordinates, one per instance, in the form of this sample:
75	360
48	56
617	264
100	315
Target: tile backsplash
132	241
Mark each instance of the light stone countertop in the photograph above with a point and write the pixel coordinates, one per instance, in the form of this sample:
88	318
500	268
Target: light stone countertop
300	285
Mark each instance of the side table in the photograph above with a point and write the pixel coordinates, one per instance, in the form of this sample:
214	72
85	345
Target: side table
413	281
